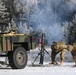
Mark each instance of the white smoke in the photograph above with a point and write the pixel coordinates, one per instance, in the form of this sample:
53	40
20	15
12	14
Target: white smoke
48	16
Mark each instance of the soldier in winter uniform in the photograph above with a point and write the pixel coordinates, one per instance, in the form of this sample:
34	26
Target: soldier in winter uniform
72	48
56	48
62	47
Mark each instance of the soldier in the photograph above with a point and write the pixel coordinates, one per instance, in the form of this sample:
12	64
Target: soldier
72	49
56	48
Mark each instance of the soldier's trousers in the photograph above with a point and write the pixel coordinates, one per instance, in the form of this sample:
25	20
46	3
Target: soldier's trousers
53	56
74	56
62	55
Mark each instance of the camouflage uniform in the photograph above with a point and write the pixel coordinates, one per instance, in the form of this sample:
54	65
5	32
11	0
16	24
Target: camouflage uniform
56	48
73	52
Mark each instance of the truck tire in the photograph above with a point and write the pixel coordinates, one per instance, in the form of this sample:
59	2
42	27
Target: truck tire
17	58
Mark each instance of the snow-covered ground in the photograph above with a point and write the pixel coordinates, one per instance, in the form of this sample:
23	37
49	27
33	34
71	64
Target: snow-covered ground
67	69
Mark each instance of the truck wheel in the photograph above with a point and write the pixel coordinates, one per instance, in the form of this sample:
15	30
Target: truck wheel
17	58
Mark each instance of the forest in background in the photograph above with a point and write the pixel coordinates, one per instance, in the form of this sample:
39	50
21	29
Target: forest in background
57	18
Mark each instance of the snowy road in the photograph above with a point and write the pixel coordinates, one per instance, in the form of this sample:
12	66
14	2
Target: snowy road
54	70
67	69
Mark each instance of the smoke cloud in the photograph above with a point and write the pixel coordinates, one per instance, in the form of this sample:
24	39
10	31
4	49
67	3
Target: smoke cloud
46	16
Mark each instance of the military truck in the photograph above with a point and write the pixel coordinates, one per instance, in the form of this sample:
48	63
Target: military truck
15	47
12	44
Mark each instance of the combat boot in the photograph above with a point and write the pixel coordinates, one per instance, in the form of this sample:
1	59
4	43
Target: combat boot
53	63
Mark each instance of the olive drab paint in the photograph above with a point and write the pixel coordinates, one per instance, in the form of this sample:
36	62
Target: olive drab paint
9	41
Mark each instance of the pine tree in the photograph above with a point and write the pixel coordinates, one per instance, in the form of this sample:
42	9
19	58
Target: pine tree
73	30
4	14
